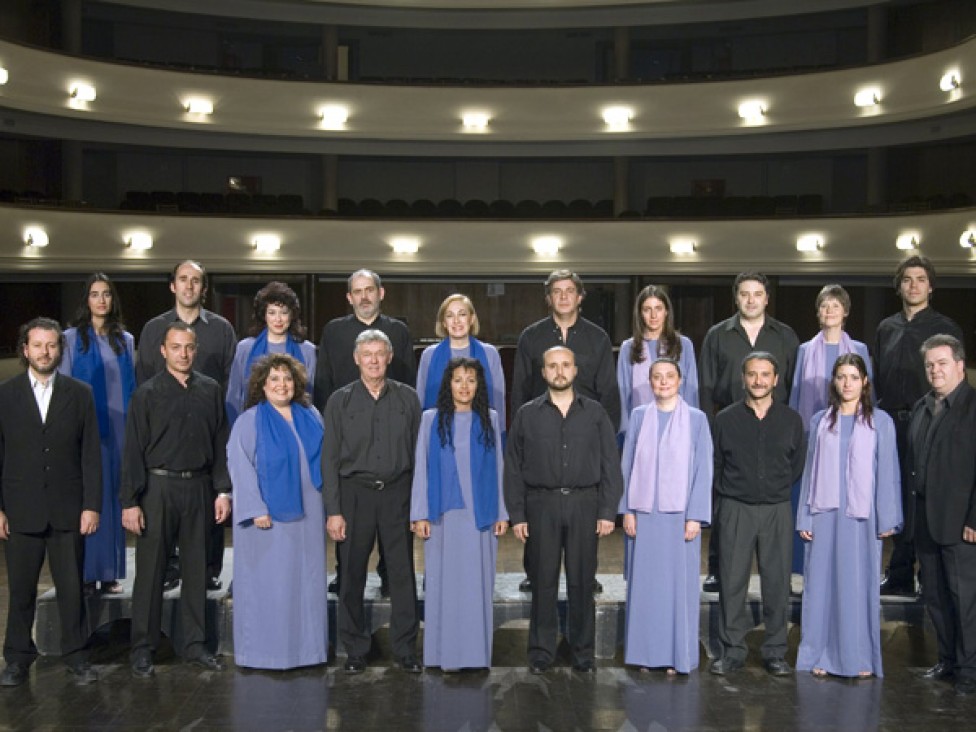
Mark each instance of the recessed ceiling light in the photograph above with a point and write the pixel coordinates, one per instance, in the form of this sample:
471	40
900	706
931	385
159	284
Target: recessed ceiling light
475	121
4	76
908	240
809	243
139	240
266	243
35	236
547	246
950	81
198	105
968	239
333	116
618	118
405	244
752	111
868	97
683	246
82	92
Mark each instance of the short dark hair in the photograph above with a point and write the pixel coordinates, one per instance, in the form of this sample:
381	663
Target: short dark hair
944	339
916	260
761	356
180	326
564	274
836	292
749	277
43	324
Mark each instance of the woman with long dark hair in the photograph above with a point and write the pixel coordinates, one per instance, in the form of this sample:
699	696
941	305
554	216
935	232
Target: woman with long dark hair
458	509
850	500
654	336
277	328
99	351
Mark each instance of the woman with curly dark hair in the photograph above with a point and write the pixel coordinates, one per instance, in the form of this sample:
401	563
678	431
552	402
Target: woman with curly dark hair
458	509
99	351
277	328
273	455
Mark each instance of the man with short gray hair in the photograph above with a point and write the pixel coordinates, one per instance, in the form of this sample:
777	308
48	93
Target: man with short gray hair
367	469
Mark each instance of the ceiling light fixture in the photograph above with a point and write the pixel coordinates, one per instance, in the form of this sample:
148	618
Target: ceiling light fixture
35	236
266	243
950	81
198	105
908	240
809	243
4	76
752	111
405	244
683	247
333	116
618	118
139	240
475	121
868	97
968	239
82	92
547	246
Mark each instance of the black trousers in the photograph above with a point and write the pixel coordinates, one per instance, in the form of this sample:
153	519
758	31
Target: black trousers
177	513
562	524
901	565
369	514
949	593
25	557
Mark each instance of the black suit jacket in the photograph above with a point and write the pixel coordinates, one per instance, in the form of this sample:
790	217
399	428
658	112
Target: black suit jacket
950	480
49	472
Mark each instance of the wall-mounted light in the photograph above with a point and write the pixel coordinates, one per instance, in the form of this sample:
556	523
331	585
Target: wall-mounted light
333	116
618	119
139	240
752	111
405	244
4	76
908	240
683	247
82	92
547	246
950	81
198	105
266	243
867	97
968	239
475	121
35	236
809	243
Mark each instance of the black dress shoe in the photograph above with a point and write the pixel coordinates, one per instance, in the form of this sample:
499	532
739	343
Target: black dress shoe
334	586
83	674
966	685
15	674
777	667
597	587
892	586
207	661
354	665
585	667
538	667
384	588
214	583
525	585
409	664
711	583
142	665
723	666
941	670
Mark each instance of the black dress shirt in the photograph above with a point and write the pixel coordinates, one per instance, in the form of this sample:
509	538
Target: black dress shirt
596	376
367	438
336	367
216	344
932	411
725	346
758	460
172	427
546	450
899	371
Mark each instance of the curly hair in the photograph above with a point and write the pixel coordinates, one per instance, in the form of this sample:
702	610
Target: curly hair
866	406
445	402
115	327
44	324
278	293
669	344
262	370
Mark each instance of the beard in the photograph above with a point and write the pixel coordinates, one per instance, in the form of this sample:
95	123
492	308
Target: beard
46	370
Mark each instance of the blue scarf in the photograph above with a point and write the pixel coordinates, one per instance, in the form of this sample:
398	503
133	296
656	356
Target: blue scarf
88	367
279	472
444	484
438	363
292	347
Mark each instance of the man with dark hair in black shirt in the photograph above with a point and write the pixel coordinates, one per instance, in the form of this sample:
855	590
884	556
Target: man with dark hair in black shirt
589	343
337	368
719	369
175	485
760	448
562	488
899	382
367	470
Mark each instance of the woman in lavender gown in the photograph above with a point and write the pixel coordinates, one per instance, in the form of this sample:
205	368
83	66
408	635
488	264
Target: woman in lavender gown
849	502
458	509
273	454
667	466
654	336
277	328
99	351
457	323
814	361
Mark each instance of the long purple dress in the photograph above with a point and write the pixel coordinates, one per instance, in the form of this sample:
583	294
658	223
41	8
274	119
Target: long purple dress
237	385
496	400
841	595
459	560
663	595
105	549
629	401
281	618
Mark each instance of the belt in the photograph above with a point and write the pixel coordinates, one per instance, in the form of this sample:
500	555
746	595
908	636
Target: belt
565	490
178	474
376	485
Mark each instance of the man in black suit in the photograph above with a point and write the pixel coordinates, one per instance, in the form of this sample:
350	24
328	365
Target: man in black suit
942	466
50	495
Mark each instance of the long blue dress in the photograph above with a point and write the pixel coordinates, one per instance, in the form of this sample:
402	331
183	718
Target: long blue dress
237	385
459	560
105	549
841	591
663	594
818	387
625	380
281	617
496	400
